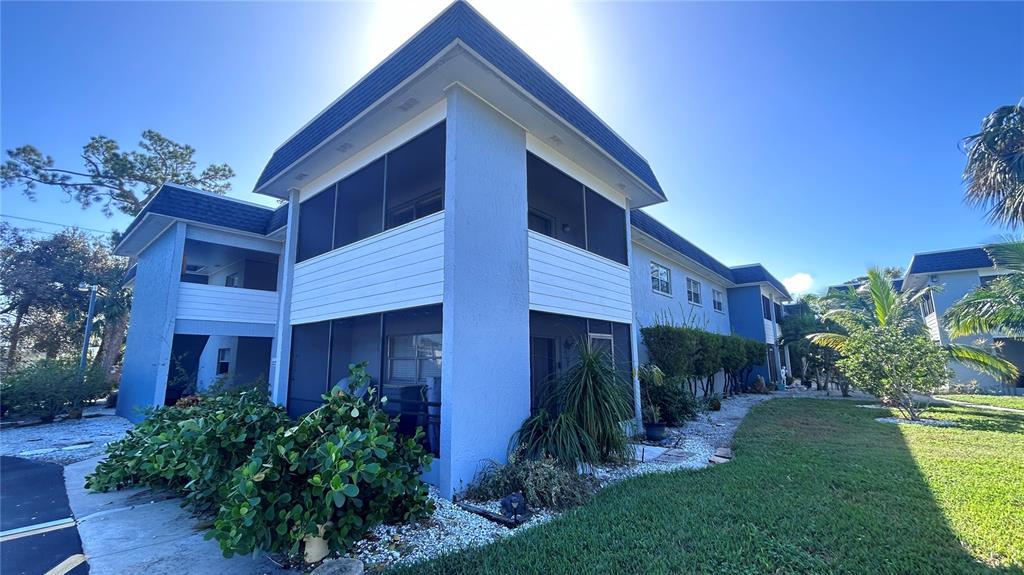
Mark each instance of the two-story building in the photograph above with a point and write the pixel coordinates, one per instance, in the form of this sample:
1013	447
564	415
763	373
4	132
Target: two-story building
954	273
457	219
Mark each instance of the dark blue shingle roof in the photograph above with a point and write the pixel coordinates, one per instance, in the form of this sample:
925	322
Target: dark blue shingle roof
188	204
659	231
757	273
965	259
462	22
279	218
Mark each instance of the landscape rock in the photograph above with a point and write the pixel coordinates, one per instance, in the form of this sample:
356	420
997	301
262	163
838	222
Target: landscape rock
343	566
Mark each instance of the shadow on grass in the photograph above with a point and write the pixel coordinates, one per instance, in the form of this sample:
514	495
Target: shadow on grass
816	487
979	419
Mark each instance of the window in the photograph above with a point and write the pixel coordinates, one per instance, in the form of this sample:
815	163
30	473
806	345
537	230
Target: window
231	280
661	279
403	185
778	312
766	306
718	300
223	360
564	209
693	291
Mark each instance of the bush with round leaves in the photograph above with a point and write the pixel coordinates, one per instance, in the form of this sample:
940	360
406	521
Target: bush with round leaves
51	387
192	450
339	472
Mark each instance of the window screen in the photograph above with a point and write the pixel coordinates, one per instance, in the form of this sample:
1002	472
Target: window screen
606	227
316	225
359	205
415	178
661	279
693	291
555	203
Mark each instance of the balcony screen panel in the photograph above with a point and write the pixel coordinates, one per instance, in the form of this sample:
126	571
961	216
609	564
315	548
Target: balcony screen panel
415	178
412	379
606	228
359	205
307	379
355	340
316	225
555	203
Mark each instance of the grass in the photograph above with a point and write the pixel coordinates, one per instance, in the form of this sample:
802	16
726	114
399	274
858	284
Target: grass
816	487
1011	401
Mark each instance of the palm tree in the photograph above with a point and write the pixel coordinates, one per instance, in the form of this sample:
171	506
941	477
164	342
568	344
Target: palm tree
878	304
995	166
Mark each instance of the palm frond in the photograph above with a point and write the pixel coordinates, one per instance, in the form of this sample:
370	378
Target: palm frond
833	341
982	360
994	174
884	299
995	307
1008	255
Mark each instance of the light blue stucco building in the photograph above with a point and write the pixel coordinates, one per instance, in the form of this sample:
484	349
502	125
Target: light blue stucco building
459	221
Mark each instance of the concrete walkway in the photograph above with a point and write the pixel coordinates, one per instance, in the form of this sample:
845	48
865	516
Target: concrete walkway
977	405
141	531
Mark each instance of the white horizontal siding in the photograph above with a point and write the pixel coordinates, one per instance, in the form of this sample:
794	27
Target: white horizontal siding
769	331
932	322
219	303
399	268
567	280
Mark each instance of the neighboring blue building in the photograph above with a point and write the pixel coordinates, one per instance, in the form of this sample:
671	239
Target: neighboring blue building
458	220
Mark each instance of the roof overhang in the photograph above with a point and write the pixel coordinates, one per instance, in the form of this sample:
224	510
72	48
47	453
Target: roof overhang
458	64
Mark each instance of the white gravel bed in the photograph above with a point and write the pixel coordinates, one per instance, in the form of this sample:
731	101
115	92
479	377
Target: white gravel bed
450	528
928	422
63	442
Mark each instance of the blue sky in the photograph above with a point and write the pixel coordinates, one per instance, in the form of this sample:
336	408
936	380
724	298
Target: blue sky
816	138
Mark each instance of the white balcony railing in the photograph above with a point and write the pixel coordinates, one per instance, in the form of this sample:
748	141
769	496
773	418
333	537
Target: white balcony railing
219	303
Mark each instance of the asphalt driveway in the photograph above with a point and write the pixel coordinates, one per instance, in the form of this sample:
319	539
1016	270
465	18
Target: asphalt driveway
34	518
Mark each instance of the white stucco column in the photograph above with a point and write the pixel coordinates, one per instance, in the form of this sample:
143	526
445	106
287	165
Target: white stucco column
485	390
280	354
634	334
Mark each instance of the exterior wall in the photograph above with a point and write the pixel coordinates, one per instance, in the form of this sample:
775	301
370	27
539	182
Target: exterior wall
567	280
746	317
280	353
651	306
485	394
954	286
207	372
219	303
400	268
151	327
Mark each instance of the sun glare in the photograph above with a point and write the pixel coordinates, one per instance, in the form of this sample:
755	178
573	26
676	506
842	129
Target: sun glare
549	31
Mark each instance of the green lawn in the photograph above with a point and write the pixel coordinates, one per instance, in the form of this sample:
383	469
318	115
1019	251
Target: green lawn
1012	401
816	487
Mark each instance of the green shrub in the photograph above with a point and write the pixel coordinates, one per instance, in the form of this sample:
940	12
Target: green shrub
674	401
338	473
192	450
544	483
672	348
591	400
50	387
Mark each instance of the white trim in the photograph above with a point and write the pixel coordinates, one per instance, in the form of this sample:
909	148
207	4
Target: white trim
651	276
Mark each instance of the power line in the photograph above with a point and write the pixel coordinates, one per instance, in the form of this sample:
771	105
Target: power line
54	224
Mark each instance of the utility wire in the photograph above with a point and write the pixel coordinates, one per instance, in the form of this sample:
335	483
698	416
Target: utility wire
54	224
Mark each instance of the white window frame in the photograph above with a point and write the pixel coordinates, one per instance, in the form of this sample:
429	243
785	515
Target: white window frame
698	300
656	279
717	300
223	358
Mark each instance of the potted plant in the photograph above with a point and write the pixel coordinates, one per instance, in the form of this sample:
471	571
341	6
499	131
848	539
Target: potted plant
654	427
